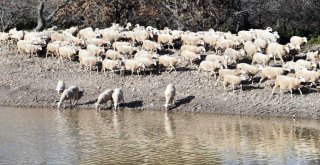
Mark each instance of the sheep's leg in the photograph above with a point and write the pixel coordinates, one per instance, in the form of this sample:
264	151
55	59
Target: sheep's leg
291	93
274	59
274	88
215	85
282	61
261	79
224	86
232	88
300	91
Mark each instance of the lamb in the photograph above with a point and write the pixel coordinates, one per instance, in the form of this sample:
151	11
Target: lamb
233	80
251	49
194	49
104	98
278	50
307	64
169	62
113	55
108	64
263	59
209	66
187	55
151	46
61	86
67	52
72	94
297	41
169	94
133	65
249	69
285	82
165	39
271	73
117	97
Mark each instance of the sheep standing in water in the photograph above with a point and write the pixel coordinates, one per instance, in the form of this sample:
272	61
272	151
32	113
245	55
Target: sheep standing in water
169	93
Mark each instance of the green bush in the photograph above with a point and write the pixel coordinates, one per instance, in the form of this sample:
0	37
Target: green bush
314	40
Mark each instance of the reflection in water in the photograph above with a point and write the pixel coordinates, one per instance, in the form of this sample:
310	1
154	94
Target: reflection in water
153	137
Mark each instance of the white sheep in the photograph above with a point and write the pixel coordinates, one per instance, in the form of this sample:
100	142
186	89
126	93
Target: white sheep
117	97
233	80
297	42
91	62
72	94
116	45
308	76
61	86
307	64
286	82
223	44
278	50
187	55
260	58
150	46
146	54
127	50
313	56
195	49
95	50
148	63
169	62
251	48
67	52
251	70
223	72
111	65
233	56
104	98
169	94
133	66
113	55
209	66
270	73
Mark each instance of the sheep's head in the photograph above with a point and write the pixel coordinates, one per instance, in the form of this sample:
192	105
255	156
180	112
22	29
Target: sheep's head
202	49
305	40
269	29
244	77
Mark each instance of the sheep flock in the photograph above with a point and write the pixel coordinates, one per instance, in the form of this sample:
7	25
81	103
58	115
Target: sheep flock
250	57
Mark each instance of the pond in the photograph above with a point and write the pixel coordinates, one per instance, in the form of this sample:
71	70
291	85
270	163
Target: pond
47	136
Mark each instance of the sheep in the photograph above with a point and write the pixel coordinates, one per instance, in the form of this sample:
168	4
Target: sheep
308	76
110	35
234	56
286	82
187	55
278	50
297	41
116	45
117	97
192	40
97	42
251	48
90	62
166	39
249	69
31	49
223	72
169	94
113	55
61	86
52	48
313	56
57	37
246	35
169	62
195	49
67	52
150	46
149	63
133	66
211	40
261	43
307	64
72	94
104	98
233	80
270	73
263	59
4	38
223	44
292	67
219	59
95	50
108	64
146	54
209	66
127	50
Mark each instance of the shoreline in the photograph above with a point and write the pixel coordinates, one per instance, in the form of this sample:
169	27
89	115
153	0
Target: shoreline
31	83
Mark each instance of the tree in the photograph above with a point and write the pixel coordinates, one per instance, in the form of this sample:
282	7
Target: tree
42	19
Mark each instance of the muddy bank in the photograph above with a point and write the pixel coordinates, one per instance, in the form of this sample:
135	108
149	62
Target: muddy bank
31	83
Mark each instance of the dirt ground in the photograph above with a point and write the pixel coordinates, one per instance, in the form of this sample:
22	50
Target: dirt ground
31	82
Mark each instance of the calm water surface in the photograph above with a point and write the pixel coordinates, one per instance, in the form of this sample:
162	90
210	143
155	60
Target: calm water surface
38	136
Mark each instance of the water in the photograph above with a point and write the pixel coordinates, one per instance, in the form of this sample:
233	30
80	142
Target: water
37	136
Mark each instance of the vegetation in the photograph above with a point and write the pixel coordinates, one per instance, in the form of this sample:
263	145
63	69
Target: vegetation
288	17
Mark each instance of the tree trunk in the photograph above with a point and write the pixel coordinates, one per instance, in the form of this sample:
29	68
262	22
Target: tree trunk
41	21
